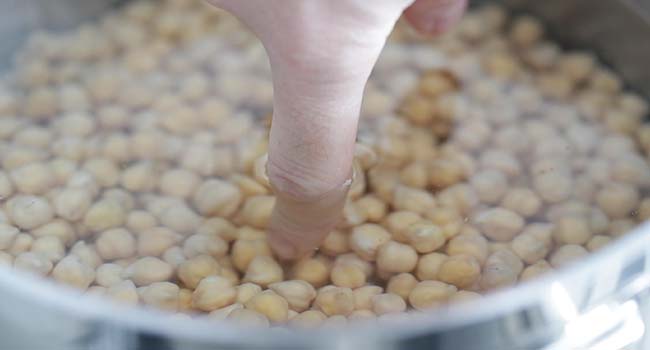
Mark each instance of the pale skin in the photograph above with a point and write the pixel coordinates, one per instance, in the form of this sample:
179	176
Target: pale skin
321	54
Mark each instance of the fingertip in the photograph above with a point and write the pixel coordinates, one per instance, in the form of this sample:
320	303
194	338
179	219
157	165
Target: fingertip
433	17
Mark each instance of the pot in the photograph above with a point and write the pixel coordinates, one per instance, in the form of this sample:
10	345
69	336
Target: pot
600	302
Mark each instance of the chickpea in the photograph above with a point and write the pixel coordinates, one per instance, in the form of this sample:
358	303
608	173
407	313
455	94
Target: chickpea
366	239
398	223
148	270
576	65
535	270
617	200
6	188
387	303
138	177
571	229
22	243
597	242
108	274
8	234
335	301
533	243
396	257
212	293
522	201
308	319
353	215
382	181
415	175
263	270
104	170
444	173
179	183
140	220
72	271
490	185
193	270
156	240
116	244
459	270
425	237
348	275
401	284
33	178
72	203
6	259
430	294
245	250
335	243
501	161
246	291
218	227
270	304
249	317
469	244
217	197
204	244
501	269
499	224
461	198
605	80
104	214
256	211
86	253
429	265
50	247
163	295
449	221
34	263
180	218
123	292
413	199
372	207
174	256
299	294
620	227
29	212
353	259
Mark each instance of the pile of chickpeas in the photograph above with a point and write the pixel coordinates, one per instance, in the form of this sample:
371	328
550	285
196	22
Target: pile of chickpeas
133	155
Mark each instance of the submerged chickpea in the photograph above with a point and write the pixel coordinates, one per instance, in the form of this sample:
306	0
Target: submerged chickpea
533	243
213	293
499	224
394	257
473	244
567	254
299	294
535	270
459	270
263	270
425	237
401	284
193	270
335	301
430	294
502	268
597	242
387	303
429	265
72	271
315	271
29	212
347	275
217	197
244	251
271	305
366	239
34	263
398	222
148	270
116	244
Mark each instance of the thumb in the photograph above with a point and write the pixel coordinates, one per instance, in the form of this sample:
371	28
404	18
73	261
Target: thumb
311	149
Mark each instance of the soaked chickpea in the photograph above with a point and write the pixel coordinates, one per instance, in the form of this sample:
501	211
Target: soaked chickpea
485	158
430	294
366	239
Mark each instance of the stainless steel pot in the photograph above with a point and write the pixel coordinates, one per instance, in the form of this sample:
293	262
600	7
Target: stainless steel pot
601	302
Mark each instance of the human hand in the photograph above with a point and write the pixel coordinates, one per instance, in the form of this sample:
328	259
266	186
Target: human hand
321	54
